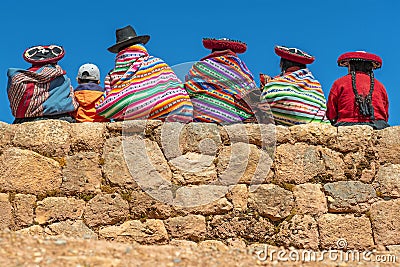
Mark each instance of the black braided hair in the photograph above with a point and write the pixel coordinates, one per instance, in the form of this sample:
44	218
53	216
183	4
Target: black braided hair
364	103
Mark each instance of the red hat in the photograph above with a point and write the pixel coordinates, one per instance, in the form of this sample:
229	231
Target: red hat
224	44
294	54
44	54
343	60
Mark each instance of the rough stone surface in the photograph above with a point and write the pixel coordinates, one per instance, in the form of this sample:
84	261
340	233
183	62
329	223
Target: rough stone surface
310	199
6	218
47	137
88	136
385	222
360	165
387	181
25	171
301	231
82	174
301	163
349	196
213	245
388	145
53	209
248	227
6	134
354	138
356	231
149	232
115	169
71	229
314	133
193	168
243	163
23	209
271	201
283	135
261	135
143	205
220	206
35	230
191	227
201	138
238	195
105	209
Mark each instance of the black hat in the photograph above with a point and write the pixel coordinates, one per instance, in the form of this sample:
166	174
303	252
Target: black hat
127	36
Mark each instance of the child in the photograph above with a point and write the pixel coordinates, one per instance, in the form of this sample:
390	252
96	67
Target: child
88	93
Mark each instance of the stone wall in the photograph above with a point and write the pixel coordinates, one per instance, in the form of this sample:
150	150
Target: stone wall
305	186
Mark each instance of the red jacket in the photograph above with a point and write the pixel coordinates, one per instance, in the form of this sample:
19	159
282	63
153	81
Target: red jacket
342	105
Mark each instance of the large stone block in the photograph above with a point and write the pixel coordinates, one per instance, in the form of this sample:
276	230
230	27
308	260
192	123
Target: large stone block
70	229
345	232
203	138
233	227
88	136
82	173
261	135
6	218
301	163
194	169
349	196
243	163
7	132
106	209
301	232
27	172
150	232
314	133
354	138
385	222
310	199
387	181
48	137
53	209
271	201
191	227
238	195
24	209
142	205
217	207
388	145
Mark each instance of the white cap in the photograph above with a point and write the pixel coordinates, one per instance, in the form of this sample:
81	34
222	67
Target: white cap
89	72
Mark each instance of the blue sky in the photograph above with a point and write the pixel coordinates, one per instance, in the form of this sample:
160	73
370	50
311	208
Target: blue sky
325	29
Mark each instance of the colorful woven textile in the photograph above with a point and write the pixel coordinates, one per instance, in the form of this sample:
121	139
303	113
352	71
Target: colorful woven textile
295	98
144	87
217	85
40	91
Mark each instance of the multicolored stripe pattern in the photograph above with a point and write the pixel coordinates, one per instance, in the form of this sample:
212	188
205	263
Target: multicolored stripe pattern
217	85
40	91
144	87
295	98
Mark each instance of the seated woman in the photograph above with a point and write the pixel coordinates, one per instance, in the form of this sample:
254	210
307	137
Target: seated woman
295	96
43	91
358	98
218	83
142	86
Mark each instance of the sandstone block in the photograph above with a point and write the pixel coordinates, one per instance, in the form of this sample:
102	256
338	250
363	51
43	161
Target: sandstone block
345	232
238	195
388	145
310	199
48	137
261	135
271	201
23	209
218	207
6	218
191	227
213	245
385	222
53	209
314	133
82	174
143	205
105	209
70	229
354	138
283	135
150	232
349	196
34	230
387	181
193	168
6	134
88	136
243	163
301	232
203	138
25	171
